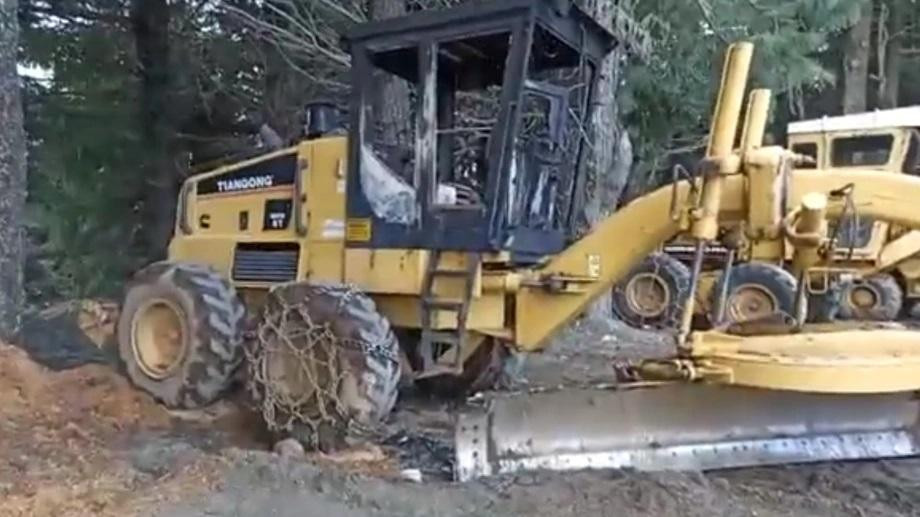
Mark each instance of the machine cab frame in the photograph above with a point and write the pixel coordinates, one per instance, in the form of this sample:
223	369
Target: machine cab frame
468	176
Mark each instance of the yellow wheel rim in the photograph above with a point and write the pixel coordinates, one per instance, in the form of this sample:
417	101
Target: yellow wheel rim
159	338
648	295
751	302
864	297
295	377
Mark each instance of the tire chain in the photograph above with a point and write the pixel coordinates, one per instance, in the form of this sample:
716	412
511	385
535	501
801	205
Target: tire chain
292	333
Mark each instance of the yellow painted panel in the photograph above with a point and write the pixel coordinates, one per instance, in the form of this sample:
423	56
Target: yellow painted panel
900	249
764	190
323	263
213	251
386	271
910	273
395	271
487	313
823	362
325	205
770	250
221	213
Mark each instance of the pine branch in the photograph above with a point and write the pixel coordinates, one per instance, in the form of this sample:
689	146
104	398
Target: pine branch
706	12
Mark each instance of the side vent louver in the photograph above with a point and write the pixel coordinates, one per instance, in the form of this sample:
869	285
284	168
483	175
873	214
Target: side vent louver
261	262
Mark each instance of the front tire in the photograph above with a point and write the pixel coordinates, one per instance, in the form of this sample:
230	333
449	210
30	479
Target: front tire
180	333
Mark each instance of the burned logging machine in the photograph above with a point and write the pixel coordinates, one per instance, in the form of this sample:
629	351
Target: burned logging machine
425	249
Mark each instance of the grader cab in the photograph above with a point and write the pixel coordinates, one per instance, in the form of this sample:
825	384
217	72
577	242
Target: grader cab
334	268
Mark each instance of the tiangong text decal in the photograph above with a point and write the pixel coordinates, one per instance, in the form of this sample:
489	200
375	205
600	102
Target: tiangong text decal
276	172
255	182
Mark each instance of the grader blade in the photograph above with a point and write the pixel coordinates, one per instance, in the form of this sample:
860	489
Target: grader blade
680	427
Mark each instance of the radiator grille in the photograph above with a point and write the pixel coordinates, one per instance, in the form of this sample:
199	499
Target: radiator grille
265	263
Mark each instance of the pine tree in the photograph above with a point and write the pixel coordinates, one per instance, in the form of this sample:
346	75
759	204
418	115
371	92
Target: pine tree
667	99
856	56
93	166
12	173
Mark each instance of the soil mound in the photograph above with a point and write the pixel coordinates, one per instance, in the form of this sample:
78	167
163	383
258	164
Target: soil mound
55	433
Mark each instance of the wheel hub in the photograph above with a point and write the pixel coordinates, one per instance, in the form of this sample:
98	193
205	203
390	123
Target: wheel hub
293	378
648	295
160	338
751	302
300	366
864	297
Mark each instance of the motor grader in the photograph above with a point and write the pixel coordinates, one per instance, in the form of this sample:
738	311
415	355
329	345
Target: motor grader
885	258
337	266
873	273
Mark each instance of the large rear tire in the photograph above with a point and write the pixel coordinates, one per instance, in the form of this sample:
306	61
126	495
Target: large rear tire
874	298
180	333
756	290
654	293
324	363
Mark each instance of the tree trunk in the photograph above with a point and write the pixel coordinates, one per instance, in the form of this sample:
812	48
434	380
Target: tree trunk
393	108
891	69
150	22
611	159
12	174
856	62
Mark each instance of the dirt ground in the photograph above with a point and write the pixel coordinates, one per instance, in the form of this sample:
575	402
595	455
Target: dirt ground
76	439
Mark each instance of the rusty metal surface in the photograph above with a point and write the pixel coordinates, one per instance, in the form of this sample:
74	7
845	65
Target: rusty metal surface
679	427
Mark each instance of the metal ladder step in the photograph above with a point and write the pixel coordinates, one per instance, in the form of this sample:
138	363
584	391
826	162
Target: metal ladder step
437	370
453	273
443	305
431	305
443	337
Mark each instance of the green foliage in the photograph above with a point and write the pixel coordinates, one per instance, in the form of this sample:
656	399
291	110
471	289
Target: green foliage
84	151
667	99
87	173
239	63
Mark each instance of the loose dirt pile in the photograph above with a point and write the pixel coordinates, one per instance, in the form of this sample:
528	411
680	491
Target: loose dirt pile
65	439
81	442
